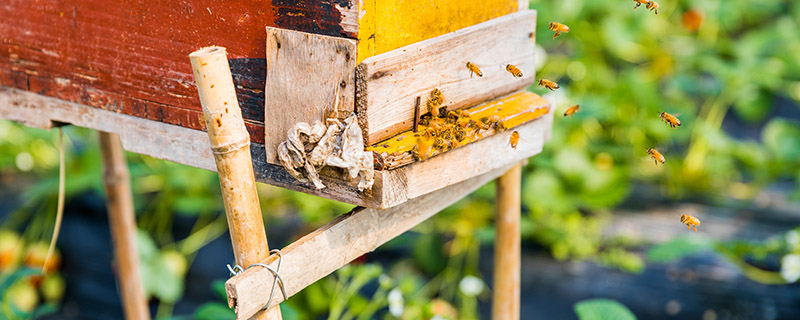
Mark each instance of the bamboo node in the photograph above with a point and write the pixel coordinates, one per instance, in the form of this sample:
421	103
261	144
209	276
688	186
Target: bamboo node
235	146
278	281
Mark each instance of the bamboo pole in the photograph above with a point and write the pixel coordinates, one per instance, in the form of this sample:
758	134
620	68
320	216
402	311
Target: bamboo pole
507	250
121	220
230	144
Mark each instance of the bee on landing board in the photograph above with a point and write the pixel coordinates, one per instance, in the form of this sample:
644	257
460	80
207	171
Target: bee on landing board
514	71
548	84
514	139
657	156
473	69
558	28
436	100
671	120
690	221
571	110
652	6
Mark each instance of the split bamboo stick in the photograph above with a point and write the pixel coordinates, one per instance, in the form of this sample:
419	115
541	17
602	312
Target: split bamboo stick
230	144
507	250
122	222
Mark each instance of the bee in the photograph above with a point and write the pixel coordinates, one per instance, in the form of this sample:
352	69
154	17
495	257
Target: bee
422	149
657	156
671	120
640	2
690	221
514	139
571	110
558	28
652	6
436	100
548	84
473	69
514	71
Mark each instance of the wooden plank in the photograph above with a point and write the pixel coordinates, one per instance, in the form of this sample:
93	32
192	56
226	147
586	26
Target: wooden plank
164	141
386	25
389	83
304	73
122	222
131	58
187	146
508	248
330	247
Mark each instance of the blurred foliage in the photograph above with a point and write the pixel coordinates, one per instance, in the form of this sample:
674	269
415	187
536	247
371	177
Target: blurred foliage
719	65
602	309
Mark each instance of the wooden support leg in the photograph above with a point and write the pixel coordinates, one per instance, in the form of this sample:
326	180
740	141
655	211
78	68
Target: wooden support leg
116	183
507	250
230	144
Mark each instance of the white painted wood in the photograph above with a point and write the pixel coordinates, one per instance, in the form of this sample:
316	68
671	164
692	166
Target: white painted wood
389	83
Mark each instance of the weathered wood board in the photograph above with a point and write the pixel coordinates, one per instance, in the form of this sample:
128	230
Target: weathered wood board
389	84
190	147
328	248
130	57
304	73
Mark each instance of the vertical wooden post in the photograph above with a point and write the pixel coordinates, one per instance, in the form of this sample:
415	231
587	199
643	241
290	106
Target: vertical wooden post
121	220
230	144
507	249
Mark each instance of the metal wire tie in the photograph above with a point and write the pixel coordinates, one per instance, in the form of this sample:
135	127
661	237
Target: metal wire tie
237	269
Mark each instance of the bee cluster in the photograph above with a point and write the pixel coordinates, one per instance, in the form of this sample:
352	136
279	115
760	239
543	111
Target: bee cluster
445	130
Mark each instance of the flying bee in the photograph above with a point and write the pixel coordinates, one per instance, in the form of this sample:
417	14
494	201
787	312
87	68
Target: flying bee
690	221
639	3
558	28
652	6
548	84
571	110
514	70
657	156
671	120
514	139
473	69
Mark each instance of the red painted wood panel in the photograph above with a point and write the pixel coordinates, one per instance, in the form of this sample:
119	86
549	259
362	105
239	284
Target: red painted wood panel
130	56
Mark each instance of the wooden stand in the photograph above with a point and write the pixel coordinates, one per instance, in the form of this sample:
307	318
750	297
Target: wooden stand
506	296
121	220
230	144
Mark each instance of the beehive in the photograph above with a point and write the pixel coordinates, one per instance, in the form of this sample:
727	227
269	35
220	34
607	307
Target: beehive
123	68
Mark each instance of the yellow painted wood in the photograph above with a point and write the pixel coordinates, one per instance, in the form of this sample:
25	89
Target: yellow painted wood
513	110
386	25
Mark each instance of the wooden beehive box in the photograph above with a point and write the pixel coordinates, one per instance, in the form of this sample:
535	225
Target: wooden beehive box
123	69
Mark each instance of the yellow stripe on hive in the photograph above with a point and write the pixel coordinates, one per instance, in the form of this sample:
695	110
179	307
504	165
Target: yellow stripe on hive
385	25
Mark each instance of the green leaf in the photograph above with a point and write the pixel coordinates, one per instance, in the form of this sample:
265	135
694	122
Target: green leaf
602	309
427	252
288	312
675	249
218	286
782	138
214	311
